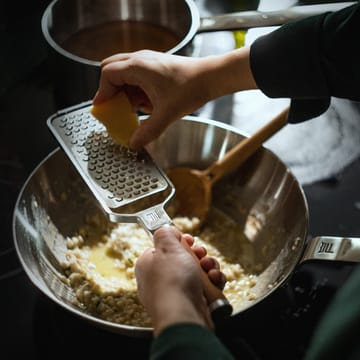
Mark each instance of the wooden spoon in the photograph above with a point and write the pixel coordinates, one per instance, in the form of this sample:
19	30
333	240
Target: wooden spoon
193	187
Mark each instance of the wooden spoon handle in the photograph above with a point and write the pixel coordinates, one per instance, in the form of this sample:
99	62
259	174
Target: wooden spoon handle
239	153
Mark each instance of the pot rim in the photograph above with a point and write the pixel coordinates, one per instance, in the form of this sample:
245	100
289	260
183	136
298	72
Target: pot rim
46	18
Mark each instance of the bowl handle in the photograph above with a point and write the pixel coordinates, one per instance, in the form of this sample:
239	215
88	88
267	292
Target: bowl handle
332	248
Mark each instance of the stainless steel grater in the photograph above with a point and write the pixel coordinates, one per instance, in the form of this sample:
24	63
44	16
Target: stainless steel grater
129	185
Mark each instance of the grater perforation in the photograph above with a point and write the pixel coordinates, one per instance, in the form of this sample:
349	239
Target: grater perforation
123	181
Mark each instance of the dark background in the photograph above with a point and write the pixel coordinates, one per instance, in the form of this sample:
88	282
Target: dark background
26	101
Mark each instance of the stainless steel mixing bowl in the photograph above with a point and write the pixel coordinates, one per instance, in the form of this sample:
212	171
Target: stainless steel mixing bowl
54	202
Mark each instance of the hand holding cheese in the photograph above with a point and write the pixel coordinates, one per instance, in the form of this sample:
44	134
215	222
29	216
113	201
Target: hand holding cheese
118	117
168	87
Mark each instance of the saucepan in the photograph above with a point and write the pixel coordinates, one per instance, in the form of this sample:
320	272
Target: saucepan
264	204
80	33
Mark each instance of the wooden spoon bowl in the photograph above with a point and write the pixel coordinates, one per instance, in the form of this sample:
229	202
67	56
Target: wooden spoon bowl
193	187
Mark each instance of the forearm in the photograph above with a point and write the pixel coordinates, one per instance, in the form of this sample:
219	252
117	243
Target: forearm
308	61
227	73
175	309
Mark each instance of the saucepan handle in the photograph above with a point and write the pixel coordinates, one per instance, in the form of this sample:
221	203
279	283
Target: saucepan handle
244	20
332	248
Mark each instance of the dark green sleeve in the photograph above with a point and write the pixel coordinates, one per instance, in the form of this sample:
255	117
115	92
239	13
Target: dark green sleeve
310	61
187	342
338	334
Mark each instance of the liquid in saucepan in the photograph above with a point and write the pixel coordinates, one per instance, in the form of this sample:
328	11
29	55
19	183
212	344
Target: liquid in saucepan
101	41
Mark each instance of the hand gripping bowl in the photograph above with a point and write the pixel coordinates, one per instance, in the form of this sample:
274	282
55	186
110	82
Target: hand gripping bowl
262	198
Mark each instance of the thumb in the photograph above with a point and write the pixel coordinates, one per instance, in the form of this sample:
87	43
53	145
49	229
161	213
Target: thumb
150	129
167	238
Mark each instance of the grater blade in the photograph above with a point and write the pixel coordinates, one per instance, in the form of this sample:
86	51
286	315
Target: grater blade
129	185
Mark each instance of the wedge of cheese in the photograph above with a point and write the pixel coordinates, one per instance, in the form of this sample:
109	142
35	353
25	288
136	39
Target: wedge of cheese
118	117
